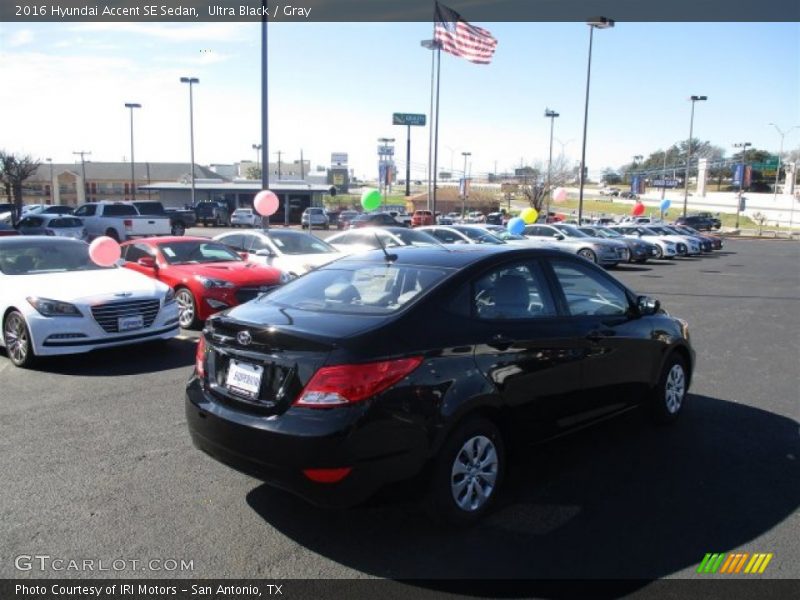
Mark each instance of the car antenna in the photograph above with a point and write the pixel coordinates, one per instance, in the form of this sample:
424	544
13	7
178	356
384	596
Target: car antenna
389	257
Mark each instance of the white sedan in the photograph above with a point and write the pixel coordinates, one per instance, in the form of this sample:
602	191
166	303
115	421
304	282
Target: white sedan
55	300
245	217
294	252
365	239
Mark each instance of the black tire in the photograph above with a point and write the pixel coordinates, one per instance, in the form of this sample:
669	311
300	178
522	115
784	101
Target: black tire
112	233
17	340
659	252
669	396
480	438
178	229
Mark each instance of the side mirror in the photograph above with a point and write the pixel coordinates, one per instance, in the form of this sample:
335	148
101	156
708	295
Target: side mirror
647	305
263	252
147	261
244	255
558	236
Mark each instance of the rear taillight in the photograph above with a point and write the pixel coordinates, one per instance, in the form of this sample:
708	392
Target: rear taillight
128	223
327	475
347	384
200	357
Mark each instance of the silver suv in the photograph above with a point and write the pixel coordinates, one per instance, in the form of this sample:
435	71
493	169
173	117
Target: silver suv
314	217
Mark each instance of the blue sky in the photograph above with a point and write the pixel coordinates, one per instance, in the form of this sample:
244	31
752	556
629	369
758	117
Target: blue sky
333	88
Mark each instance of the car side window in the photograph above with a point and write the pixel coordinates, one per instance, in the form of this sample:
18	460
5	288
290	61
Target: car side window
87	210
512	292
588	292
134	252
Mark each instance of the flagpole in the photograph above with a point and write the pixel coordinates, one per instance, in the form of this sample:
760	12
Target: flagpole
436	130
430	136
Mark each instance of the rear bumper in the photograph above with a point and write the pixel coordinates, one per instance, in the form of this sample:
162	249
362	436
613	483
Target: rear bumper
277	449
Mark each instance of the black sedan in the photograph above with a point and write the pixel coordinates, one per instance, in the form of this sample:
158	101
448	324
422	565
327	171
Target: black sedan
427	361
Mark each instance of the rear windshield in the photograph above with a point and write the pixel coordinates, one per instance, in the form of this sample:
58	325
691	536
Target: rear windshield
65	222
357	288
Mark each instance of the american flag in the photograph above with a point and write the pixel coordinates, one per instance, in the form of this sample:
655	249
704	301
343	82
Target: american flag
459	38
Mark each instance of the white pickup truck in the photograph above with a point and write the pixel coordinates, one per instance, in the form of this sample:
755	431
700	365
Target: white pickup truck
120	221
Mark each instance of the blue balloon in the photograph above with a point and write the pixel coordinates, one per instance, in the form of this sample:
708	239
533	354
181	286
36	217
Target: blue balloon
516	226
665	204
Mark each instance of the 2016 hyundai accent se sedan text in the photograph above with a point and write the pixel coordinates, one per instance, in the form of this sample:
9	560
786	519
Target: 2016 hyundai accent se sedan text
429	362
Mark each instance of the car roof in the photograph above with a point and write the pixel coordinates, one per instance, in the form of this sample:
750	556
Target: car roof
168	239
41	240
452	256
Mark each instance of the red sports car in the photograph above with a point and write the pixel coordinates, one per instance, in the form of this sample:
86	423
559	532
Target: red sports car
207	276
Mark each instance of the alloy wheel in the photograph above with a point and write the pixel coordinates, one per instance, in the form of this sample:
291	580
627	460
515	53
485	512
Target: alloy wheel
16	338
674	389
186	308
474	473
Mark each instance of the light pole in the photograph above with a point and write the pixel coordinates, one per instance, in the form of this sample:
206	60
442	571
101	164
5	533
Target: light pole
664	177
385	152
279	153
83	153
595	23
50	160
191	81
743	146
464	197
257	148
689	152
780	156
132	105
552	115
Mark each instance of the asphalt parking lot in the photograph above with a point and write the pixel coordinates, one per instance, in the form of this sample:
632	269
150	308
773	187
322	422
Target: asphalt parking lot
97	464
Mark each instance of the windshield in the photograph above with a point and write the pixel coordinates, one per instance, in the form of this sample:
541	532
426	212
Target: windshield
606	233
292	242
571	231
360	287
26	257
412	237
197	251
480	235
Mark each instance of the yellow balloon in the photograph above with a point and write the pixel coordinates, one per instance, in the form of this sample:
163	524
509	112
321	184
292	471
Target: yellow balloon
529	215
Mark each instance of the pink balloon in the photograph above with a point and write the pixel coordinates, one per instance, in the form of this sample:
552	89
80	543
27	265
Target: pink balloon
104	251
559	194
266	203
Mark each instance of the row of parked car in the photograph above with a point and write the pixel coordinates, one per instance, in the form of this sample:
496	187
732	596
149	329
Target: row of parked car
330	370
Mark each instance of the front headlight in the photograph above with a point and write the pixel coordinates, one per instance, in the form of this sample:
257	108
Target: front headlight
169	297
286	277
211	282
53	308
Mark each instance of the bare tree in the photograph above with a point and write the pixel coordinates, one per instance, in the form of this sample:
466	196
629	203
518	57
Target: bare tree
13	171
534	183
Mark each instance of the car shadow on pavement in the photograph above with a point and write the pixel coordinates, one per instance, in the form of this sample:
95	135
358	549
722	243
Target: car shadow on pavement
623	500
137	359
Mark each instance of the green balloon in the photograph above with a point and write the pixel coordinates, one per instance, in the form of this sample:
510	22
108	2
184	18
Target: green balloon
371	199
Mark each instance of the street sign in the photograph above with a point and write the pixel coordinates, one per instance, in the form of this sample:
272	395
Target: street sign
386	150
408	119
665	183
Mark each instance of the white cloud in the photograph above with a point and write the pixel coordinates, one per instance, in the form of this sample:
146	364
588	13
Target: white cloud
20	38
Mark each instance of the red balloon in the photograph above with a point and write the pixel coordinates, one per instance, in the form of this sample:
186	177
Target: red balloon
638	209
266	203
